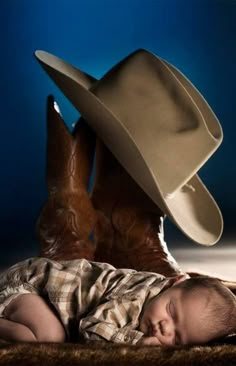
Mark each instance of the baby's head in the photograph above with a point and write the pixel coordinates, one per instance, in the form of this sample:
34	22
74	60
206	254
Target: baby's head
192	311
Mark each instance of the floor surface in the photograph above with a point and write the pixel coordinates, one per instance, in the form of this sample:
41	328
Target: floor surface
218	260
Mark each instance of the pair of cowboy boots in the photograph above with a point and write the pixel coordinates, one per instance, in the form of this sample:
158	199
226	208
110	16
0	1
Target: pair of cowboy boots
117	223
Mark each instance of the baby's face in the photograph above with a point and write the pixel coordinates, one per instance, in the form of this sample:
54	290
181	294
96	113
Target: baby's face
175	317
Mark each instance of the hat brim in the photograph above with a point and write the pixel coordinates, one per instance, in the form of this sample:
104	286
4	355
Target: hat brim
195	212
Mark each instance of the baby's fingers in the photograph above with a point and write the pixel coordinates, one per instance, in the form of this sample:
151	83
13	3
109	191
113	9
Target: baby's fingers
150	341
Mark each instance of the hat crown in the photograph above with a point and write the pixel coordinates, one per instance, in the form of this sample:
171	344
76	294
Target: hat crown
160	114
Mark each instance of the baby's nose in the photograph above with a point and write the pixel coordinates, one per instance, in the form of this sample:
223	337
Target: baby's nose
168	330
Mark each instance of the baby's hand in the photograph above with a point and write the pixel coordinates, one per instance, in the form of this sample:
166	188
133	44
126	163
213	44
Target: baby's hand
149	341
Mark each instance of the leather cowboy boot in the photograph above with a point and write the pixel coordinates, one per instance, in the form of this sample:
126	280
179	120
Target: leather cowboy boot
104	194
129	218
67	218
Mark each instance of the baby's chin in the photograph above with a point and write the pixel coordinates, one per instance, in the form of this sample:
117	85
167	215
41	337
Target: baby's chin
143	326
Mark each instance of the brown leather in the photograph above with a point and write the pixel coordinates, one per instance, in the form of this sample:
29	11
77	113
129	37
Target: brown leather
67	218
104	194
129	232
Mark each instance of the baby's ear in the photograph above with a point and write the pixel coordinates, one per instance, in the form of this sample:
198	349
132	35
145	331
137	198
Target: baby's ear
180	278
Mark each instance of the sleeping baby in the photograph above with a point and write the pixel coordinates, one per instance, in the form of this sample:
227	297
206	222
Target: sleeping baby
43	300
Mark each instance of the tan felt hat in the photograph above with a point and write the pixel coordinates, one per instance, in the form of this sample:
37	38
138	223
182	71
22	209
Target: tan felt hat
158	126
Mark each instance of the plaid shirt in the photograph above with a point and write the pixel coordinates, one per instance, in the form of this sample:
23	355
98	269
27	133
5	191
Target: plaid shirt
95	301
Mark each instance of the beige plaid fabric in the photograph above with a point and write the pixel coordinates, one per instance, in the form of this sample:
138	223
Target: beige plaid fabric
95	301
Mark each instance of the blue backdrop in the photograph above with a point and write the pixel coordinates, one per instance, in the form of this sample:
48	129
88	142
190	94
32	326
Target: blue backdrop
197	36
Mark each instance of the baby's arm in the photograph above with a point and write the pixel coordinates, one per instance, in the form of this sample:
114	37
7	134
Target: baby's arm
92	328
29	318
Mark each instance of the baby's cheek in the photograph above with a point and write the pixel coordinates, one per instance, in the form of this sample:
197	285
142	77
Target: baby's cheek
154	310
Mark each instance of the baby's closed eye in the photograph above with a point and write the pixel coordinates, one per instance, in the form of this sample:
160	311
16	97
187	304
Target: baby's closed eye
172	313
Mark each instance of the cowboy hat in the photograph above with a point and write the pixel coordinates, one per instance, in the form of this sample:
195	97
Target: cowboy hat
158	126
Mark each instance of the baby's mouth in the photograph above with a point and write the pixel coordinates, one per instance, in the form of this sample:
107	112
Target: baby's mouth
152	329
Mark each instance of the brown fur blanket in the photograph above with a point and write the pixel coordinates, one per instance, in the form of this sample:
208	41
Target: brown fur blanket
69	354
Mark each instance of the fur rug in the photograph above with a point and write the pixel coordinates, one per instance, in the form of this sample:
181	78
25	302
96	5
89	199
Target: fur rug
100	354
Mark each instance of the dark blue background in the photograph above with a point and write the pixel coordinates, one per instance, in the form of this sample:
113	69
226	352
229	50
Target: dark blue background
197	36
